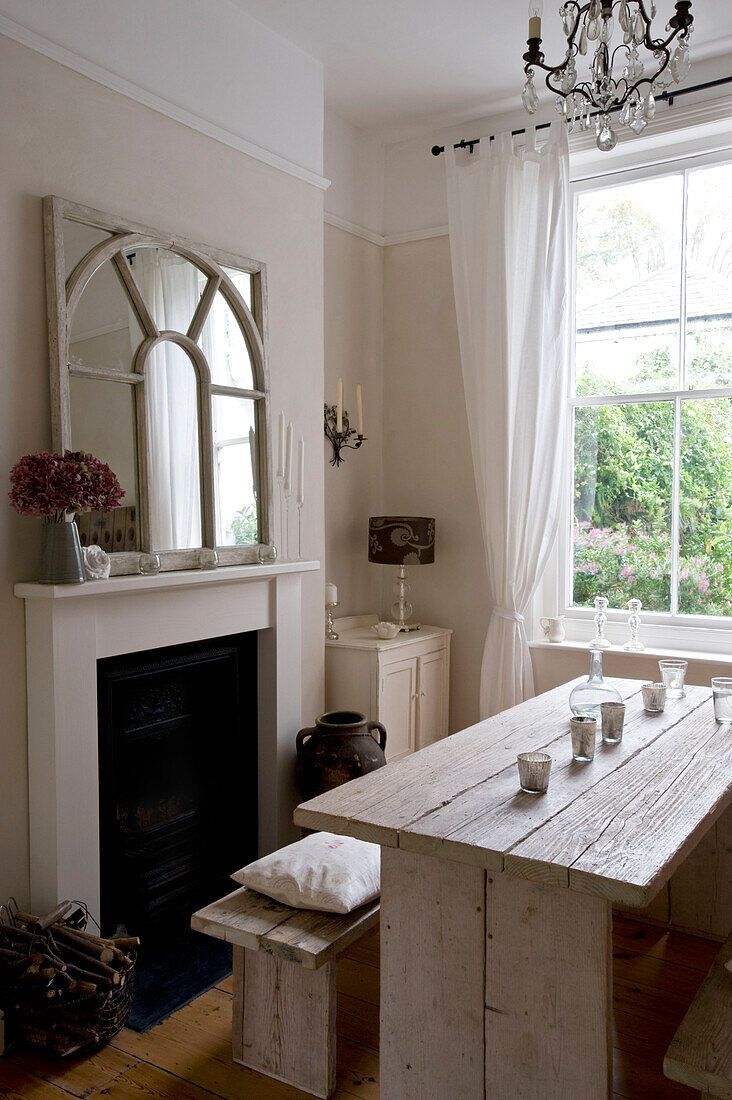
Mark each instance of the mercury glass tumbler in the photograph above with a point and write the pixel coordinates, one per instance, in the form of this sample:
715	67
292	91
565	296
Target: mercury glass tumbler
534	768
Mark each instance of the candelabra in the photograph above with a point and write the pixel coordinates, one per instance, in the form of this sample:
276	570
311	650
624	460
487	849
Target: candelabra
340	440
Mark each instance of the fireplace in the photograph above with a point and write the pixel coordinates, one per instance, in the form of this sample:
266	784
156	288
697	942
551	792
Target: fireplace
177	780
72	629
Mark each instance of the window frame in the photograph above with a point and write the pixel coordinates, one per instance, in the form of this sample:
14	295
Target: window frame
64	289
665	630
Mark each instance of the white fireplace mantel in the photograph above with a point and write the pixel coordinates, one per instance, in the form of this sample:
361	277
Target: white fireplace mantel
70	627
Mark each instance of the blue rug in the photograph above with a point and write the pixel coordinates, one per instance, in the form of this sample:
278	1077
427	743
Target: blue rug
172	974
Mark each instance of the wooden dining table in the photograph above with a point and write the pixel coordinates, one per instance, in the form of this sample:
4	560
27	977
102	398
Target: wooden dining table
496	905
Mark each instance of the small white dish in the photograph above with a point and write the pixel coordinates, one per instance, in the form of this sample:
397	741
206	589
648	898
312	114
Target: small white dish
385	629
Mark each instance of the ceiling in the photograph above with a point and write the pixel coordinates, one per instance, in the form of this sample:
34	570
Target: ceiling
394	63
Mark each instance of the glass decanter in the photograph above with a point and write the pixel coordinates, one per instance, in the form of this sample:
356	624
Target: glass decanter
586	697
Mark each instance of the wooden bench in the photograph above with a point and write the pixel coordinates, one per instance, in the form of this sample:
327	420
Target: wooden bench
700	1054
284	1012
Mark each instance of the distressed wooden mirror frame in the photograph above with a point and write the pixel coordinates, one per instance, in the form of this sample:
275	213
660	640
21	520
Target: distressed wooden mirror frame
64	289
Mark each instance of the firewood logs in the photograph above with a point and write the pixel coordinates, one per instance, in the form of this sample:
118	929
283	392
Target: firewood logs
60	983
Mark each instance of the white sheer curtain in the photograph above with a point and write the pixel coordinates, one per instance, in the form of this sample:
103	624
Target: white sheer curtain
509	242
169	287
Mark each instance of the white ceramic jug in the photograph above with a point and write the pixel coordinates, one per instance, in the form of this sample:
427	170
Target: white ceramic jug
553	628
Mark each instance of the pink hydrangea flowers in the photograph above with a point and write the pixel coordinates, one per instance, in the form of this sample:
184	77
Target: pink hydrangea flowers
51	485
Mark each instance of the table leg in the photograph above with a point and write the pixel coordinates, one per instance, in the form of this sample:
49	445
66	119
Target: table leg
492	986
432	978
284	1020
548	991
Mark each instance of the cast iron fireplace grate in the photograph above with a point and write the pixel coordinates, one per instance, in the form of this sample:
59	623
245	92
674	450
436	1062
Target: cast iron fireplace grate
178	805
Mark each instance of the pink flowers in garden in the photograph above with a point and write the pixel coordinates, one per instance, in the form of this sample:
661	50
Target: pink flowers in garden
622	562
51	485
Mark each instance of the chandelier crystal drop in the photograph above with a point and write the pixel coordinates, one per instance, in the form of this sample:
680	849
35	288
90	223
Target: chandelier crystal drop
616	37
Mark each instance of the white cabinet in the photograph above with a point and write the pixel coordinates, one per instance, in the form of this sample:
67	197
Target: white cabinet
401	682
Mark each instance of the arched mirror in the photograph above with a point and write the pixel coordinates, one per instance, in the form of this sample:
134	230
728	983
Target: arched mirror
158	368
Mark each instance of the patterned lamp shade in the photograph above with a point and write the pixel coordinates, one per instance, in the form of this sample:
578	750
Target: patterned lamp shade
402	540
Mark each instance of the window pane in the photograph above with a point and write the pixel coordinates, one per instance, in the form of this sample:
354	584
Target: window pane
623	485
170	285
103	423
242	280
629	287
235	471
225	348
705	521
174	474
104	331
709	277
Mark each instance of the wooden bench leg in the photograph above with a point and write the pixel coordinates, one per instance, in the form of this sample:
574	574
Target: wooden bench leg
284	1020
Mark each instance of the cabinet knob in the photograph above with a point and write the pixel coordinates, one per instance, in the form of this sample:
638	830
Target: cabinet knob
422	694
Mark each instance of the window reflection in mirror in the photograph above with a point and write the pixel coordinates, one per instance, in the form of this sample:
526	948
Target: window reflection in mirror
104	329
169	284
222	342
173	445
236	471
103	423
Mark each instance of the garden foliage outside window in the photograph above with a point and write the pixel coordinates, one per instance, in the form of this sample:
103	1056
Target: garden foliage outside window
652	508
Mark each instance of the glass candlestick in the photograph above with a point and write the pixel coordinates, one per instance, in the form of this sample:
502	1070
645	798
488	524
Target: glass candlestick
634	621
329	631
600	641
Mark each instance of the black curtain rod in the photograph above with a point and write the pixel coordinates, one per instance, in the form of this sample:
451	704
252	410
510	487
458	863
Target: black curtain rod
666	96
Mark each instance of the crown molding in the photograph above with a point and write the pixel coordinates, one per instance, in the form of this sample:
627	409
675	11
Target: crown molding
108	79
384	241
354	229
417	235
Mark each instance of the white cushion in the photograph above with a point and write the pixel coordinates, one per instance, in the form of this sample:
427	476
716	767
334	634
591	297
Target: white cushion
323	871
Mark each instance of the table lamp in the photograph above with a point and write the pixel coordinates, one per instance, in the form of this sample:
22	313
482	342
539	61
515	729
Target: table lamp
402	541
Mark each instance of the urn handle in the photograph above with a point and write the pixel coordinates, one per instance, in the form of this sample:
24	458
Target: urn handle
309	732
382	733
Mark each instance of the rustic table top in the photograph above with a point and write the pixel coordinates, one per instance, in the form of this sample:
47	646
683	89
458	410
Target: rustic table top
616	827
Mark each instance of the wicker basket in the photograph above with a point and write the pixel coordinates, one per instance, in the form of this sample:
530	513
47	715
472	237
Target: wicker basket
55	1016
91	1021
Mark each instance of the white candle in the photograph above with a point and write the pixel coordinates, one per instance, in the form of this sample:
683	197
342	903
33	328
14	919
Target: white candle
254	459
331	593
281	447
359	410
301	471
288	459
535	9
339	407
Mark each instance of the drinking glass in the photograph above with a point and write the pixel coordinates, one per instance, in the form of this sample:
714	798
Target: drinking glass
722	692
654	697
584	735
672	674
613	717
534	768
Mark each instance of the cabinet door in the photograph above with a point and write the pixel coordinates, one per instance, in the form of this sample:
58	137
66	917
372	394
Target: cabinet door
432	694
399	707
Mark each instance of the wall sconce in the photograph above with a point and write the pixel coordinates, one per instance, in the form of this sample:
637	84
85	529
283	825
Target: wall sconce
337	426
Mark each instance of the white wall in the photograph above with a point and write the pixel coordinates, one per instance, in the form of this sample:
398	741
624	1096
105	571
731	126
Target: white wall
353	161
206	57
64	134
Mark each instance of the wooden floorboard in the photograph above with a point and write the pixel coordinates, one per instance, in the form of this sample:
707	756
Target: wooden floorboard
188	1057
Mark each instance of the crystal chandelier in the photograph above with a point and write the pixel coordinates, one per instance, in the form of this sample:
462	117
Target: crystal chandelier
619	78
